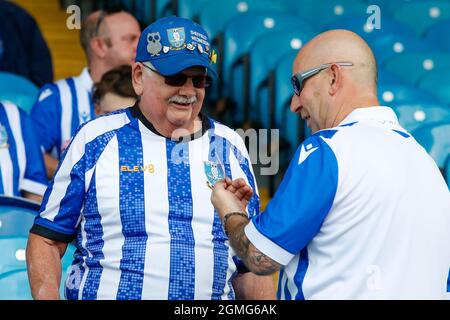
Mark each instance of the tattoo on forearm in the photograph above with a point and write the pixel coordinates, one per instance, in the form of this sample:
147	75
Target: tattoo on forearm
254	259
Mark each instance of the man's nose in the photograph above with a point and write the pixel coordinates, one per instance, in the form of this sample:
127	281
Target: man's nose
296	106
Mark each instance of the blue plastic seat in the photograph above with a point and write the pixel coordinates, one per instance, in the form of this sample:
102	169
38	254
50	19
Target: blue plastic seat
412	66
387	7
190	9
163	8
437	83
370	33
14	285
323	12
437	35
282	87
388	78
447	179
240	33
13	253
215	15
434	137
16	216
389	45
421	14
415	114
18	90
392	94
264	54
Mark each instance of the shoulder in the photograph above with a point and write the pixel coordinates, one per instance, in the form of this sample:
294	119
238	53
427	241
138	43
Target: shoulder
104	124
13	111
234	137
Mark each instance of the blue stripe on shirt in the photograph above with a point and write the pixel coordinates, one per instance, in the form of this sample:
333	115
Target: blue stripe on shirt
132	215
12	148
182	243
94	242
220	250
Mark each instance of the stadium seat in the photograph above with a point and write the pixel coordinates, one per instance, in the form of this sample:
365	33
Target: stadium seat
13	253
388	7
447	177
18	90
369	33
388	78
265	52
388	45
321	13
215	15
434	137
14	285
437	83
412	66
437	35
412	115
421	14
393	94
16	216
163	8
241	32
190	9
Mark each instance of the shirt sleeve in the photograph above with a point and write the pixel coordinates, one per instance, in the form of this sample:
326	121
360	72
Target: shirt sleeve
300	205
46	115
35	177
60	212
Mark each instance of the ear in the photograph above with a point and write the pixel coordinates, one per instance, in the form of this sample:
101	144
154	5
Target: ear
136	77
98	47
336	79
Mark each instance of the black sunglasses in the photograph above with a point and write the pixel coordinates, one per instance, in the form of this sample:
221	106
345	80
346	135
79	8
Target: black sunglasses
179	79
299	79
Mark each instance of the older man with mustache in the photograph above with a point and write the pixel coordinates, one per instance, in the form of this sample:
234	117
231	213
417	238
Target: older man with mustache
133	189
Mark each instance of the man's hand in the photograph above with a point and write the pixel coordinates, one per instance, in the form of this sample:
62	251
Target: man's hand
231	196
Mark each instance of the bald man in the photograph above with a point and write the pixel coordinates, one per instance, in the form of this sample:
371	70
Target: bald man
109	39
363	211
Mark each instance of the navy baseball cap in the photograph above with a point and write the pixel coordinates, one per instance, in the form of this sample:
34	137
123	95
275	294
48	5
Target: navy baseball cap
173	44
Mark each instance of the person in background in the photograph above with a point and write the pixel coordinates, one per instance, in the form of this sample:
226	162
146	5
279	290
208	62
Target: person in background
23	49
114	91
22	171
109	39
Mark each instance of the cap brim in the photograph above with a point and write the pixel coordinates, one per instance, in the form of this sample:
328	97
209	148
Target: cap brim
175	64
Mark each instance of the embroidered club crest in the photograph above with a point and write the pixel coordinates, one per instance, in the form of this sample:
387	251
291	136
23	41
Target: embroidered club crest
177	38
3	137
214	173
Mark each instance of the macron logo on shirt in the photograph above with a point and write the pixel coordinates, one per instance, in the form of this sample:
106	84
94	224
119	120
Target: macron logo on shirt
305	152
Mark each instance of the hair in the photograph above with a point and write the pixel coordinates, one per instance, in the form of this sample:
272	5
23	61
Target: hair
90	28
116	81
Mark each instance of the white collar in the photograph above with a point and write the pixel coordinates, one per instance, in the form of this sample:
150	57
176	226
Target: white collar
381	114
85	79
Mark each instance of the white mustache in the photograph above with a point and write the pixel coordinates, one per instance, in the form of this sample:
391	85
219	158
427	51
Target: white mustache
183	100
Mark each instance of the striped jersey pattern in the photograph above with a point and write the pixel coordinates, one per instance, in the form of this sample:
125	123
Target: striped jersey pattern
139	208
60	109
21	163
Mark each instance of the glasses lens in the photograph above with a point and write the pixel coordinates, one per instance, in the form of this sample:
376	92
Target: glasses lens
176	80
296	85
200	82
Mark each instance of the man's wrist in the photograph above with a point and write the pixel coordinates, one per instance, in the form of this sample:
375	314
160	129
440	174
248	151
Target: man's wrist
228	216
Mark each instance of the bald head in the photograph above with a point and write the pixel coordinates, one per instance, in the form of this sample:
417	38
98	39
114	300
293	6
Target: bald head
338	46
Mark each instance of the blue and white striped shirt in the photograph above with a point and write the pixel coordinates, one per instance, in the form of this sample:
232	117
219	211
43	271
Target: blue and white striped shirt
61	108
139	207
21	163
362	213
